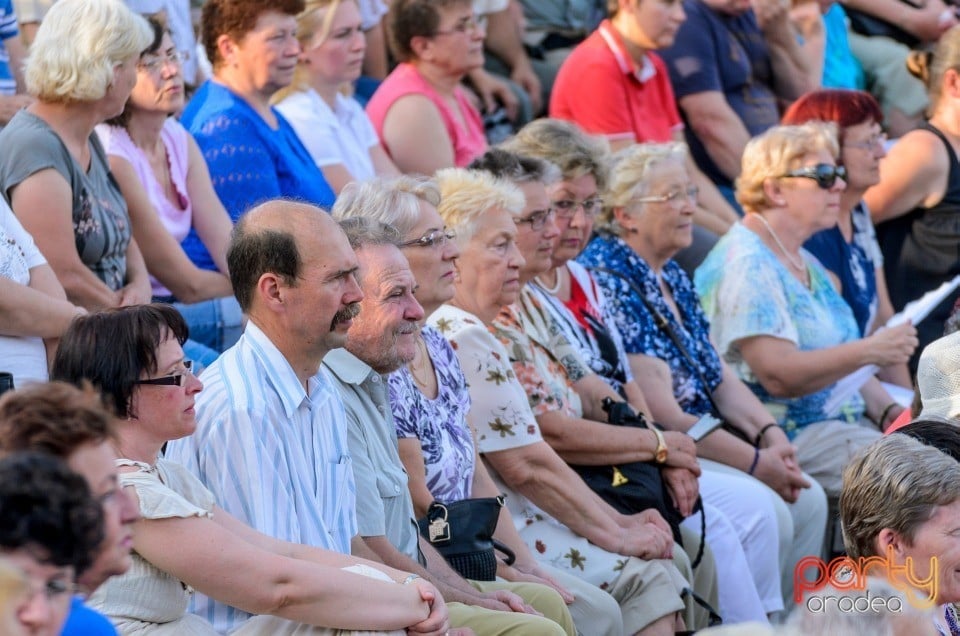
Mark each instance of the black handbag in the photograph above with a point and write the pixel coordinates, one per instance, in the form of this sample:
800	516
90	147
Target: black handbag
633	487
462	532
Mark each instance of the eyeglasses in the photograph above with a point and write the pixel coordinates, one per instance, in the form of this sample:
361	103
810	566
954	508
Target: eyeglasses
177	379
879	139
153	63
674	197
436	237
52	589
467	25
825	174
567	208
538	218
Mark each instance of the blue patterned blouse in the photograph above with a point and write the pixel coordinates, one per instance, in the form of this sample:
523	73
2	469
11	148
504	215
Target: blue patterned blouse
440	424
746	291
636	325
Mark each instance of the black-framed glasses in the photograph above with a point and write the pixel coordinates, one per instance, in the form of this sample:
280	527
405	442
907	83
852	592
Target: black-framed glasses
152	63
436	237
538	218
825	174
675	197
467	25
177	379
879	139
567	208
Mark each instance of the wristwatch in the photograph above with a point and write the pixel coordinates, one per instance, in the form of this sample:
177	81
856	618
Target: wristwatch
661	454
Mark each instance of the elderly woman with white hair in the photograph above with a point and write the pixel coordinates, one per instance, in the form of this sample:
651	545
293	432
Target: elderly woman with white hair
428	395
564	523
777	318
53	170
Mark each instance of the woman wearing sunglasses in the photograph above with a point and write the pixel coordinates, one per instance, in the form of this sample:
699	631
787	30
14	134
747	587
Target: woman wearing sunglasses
775	314
849	250
184	542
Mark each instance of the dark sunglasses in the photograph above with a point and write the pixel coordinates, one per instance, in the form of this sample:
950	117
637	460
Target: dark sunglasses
177	379
825	174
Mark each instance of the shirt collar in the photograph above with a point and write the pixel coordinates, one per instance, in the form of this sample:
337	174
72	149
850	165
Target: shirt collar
347	367
627	66
279	372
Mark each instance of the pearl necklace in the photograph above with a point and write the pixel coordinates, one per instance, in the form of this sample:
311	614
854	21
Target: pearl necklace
550	290
799	266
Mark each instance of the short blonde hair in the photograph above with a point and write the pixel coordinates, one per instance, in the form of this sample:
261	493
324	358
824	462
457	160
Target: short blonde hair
565	145
630	177
776	152
394	201
315	19
77	47
465	195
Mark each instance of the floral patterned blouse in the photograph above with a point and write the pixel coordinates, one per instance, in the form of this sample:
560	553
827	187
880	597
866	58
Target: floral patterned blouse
440	424
640	333
545	362
746	291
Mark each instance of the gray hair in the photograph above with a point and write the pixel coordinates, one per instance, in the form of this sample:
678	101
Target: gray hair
565	145
896	483
363	231
394	201
630	178
515	167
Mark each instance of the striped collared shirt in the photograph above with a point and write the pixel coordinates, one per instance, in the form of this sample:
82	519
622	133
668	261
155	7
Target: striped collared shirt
273	454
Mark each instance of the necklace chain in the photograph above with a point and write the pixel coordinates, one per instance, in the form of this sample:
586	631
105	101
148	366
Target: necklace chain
422	351
799	266
556	286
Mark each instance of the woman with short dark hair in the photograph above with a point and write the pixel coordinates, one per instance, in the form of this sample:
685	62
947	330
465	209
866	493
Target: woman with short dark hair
253	153
184	541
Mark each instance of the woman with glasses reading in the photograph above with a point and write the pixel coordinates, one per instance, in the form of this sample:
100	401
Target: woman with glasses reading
166	184
776	316
849	250
420	111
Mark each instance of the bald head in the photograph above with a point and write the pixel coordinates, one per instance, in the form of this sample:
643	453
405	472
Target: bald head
273	237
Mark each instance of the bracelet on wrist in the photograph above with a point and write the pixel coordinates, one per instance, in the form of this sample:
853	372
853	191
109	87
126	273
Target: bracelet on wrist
766	427
410	579
756	460
885	413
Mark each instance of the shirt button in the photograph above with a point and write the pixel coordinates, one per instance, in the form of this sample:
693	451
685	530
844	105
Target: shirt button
375	379
396	488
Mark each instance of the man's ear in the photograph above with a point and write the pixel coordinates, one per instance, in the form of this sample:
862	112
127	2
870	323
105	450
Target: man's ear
270	292
888	538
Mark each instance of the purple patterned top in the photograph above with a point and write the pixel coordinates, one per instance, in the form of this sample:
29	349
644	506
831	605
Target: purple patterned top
440	424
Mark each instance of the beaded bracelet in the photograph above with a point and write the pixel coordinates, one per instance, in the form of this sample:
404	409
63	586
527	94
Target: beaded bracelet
756	460
885	413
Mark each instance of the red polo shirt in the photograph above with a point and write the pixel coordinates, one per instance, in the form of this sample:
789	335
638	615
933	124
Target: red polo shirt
601	88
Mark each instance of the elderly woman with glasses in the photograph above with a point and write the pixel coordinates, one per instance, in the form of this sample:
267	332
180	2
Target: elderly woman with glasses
776	316
849	250
740	519
423	116
184	541
563	523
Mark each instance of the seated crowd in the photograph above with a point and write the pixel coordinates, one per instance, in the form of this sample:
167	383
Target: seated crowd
278	362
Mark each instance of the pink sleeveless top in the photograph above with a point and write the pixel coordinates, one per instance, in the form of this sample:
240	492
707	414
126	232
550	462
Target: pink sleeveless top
469	142
176	218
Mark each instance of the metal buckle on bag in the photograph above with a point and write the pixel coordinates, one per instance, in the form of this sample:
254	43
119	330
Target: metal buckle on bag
439	529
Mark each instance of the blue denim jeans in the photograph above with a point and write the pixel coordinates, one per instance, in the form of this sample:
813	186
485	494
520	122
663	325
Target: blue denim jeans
215	326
